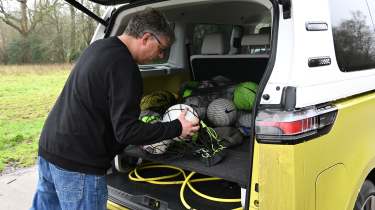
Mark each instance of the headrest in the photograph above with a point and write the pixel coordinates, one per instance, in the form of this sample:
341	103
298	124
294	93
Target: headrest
213	44
255	40
265	30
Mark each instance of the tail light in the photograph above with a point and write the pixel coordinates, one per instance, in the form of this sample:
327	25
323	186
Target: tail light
291	127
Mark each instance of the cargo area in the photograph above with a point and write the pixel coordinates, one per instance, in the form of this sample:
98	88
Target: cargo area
213	55
138	195
232	167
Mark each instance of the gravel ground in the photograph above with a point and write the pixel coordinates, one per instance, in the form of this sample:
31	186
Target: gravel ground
17	187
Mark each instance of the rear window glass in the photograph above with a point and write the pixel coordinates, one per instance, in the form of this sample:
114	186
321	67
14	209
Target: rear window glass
353	35
201	30
231	46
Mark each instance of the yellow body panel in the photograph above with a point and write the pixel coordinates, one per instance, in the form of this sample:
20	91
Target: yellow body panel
165	82
324	173
254	201
114	206
332	178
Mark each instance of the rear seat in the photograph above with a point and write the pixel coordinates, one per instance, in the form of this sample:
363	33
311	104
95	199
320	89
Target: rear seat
237	67
213	44
255	44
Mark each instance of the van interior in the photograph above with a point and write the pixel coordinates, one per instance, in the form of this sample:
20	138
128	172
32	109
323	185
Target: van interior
229	39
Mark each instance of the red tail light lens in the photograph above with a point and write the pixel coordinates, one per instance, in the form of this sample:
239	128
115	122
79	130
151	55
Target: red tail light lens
275	126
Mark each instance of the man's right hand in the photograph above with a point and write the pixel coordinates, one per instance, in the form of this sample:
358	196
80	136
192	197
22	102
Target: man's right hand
188	128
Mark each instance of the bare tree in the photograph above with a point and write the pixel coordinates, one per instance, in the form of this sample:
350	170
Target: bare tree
50	30
59	41
2	45
24	22
72	50
87	24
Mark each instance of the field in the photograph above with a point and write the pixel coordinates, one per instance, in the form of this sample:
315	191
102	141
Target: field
27	93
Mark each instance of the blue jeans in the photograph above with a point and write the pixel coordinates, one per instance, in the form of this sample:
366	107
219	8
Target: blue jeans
62	189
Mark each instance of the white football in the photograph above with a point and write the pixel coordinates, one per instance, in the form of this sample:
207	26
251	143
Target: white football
174	111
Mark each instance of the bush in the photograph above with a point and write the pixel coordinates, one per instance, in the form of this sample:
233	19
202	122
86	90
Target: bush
26	50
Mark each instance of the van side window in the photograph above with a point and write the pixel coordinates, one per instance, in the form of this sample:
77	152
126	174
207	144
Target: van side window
201	30
353	35
371	5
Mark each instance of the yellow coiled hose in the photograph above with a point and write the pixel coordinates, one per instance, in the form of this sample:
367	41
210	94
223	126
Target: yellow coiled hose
134	176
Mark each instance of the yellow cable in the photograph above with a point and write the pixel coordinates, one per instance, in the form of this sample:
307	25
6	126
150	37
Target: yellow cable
154	179
139	178
182	189
224	200
187	181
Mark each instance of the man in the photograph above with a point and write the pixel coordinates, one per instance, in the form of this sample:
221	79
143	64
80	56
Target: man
96	116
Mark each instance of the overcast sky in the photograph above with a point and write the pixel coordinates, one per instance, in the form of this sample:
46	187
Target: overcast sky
13	5
347	7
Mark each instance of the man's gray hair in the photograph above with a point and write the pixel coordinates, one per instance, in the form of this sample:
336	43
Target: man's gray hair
152	21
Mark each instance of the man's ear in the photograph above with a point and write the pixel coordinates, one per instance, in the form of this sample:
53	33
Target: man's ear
145	38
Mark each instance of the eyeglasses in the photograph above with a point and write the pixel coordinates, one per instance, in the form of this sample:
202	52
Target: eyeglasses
161	48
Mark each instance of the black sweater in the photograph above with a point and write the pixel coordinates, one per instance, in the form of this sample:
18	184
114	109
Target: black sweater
96	114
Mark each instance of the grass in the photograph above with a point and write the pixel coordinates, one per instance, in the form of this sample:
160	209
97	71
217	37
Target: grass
27	93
